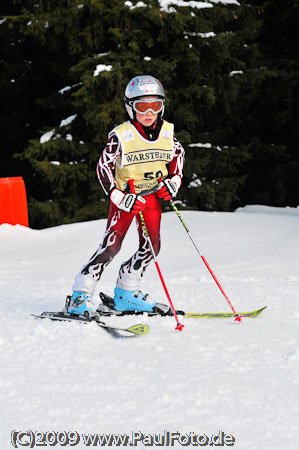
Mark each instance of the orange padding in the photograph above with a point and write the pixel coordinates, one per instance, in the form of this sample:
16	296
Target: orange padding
13	201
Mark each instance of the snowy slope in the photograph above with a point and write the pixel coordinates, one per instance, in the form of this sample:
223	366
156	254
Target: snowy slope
215	375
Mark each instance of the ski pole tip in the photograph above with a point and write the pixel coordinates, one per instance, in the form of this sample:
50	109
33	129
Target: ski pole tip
238	319
179	327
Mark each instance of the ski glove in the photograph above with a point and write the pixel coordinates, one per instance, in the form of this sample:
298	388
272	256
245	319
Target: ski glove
131	203
169	187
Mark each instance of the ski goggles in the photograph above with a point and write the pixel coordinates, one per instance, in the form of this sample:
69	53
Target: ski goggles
145	105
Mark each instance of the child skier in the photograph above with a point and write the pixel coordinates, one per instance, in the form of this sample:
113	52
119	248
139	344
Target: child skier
144	149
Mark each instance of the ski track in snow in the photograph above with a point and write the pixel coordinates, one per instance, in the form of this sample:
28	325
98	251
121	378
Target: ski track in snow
215	375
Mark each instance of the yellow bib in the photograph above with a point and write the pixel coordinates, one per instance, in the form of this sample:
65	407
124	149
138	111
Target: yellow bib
142	160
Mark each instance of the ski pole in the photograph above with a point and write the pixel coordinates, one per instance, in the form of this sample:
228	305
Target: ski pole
179	326
238	317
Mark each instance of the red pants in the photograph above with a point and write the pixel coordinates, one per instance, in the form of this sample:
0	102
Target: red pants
131	271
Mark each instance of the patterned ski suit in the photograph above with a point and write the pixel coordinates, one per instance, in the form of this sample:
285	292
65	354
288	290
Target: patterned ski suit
130	154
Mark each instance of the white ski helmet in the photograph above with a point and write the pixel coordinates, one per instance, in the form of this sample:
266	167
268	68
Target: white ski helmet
143	86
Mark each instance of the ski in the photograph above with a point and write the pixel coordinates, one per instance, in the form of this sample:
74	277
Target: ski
224	315
140	329
106	309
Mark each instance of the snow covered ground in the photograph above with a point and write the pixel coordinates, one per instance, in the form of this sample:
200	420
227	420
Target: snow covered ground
215	375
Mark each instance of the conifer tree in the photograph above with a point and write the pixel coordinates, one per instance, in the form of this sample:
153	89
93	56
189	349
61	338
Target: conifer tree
274	167
229	92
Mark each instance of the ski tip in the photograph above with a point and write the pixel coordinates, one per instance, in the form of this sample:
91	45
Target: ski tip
254	313
139	329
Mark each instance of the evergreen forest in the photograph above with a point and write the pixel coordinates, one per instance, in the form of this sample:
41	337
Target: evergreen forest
230	70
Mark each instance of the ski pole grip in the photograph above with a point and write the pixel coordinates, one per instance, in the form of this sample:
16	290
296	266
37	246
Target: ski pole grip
132	187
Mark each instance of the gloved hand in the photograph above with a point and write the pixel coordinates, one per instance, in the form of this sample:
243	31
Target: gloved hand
169	187
127	202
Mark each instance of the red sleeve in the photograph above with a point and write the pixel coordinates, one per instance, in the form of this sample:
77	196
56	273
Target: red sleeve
177	163
106	164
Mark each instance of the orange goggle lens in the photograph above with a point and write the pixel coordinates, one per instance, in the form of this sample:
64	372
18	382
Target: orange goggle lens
142	106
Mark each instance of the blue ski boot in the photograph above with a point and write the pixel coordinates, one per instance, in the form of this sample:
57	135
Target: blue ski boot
81	302
131	301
